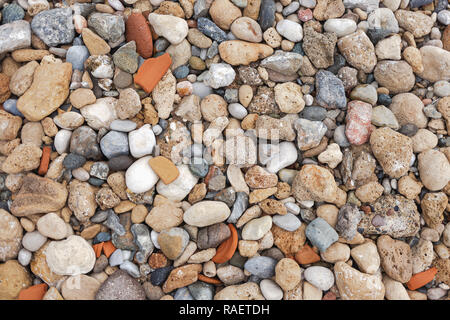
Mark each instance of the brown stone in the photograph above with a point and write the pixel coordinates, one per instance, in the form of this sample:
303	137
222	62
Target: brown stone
47	92
38	195
164	168
182	277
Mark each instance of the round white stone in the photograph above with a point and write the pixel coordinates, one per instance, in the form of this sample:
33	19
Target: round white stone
32	241
270	290
72	256
141	141
206	213
286	156
237	110
320	277
341	27
290	30
140	177
62	141
256	229
219	75
24	257
180	188
52	226
172	28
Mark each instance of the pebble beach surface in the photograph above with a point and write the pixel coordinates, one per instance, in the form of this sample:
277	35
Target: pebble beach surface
225	149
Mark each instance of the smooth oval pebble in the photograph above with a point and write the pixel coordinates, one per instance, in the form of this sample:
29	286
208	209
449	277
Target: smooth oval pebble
206	213
287	222
270	290
256	228
320	277
140	177
262	267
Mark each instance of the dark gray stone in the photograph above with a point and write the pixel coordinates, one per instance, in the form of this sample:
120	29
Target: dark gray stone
240	205
201	290
12	12
330	90
160	275
120	163
73	161
211	30
113	222
267	14
314	113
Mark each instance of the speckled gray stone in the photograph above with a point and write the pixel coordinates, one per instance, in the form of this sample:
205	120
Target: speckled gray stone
54	26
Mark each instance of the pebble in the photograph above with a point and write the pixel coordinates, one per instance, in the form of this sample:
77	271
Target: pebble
115	144
219	75
72	256
320	277
270	290
140	177
206	213
262	267
54	26
321	234
52	226
120	286
287	222
290	30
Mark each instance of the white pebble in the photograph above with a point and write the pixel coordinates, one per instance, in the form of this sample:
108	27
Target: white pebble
80	174
116	258
237	110
154	236
308	99
141	141
320	277
24	257
270	290
341	27
292	208
62	141
290	30
157	129
286	156
131	268
32	241
140	177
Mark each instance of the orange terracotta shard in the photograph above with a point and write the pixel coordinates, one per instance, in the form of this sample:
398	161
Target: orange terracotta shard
45	159
98	249
227	248
306	255
164	168
108	248
209	280
151	71
36	292
422	278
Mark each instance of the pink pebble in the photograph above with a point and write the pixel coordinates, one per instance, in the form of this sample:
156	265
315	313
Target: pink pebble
305	15
358	122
